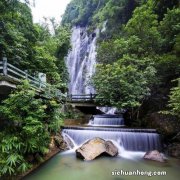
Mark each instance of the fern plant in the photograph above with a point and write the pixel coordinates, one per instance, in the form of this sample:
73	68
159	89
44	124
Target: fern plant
30	122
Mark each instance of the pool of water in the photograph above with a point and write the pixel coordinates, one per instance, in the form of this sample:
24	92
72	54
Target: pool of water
65	166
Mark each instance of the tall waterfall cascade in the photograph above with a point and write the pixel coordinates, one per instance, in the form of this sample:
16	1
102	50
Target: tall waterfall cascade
81	61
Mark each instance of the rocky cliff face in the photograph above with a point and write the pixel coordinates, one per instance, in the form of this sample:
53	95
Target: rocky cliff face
169	127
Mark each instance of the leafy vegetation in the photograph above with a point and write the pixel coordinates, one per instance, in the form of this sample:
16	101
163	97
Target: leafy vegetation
174	102
93	13
138	57
32	46
29	121
126	82
138	49
29	124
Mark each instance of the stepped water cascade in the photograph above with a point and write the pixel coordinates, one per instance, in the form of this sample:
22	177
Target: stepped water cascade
107	120
126	139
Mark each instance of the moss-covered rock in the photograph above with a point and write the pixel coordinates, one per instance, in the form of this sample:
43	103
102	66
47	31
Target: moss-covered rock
166	125
60	143
169	127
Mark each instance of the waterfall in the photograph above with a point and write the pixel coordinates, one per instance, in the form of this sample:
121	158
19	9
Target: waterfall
107	120
129	140
108	110
81	61
125	138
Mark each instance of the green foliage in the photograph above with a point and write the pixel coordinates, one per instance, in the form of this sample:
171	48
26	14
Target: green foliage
144	37
174	102
30	123
17	32
119	47
161	7
31	46
126	82
144	25
170	29
55	116
50	51
95	12
80	11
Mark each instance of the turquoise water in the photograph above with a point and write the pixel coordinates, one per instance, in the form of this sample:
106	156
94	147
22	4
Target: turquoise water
65	166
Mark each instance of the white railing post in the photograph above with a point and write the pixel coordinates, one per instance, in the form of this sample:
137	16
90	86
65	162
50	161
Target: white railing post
5	66
39	84
26	74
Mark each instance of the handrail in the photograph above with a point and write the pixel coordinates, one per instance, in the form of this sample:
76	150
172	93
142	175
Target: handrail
83	94
82	97
16	74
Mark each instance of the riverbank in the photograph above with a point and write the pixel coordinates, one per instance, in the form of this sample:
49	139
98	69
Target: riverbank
56	146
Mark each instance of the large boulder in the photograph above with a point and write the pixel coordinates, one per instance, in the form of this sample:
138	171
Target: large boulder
95	148
166	125
155	156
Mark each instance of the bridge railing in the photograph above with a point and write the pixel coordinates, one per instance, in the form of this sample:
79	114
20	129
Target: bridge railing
15	74
81	97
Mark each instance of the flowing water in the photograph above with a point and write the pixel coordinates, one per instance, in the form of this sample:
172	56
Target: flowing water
107	121
65	166
131	143
81	61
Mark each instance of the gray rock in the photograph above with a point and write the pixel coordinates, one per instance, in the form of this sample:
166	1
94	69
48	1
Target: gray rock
60	143
111	149
176	138
174	150
69	142
95	148
155	156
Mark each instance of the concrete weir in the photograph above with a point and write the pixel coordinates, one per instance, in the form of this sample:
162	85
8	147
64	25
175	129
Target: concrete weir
108	127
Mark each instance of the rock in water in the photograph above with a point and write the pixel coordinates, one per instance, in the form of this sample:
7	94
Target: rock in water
155	156
96	147
111	149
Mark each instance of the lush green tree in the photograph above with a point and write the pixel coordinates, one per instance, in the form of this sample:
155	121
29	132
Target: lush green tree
31	46
161	7
17	32
126	82
174	102
50	51
119	47
95	12
29	124
173	106
146	38
170	29
144	25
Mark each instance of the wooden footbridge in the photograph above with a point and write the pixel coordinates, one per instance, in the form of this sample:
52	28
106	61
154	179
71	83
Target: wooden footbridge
11	76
